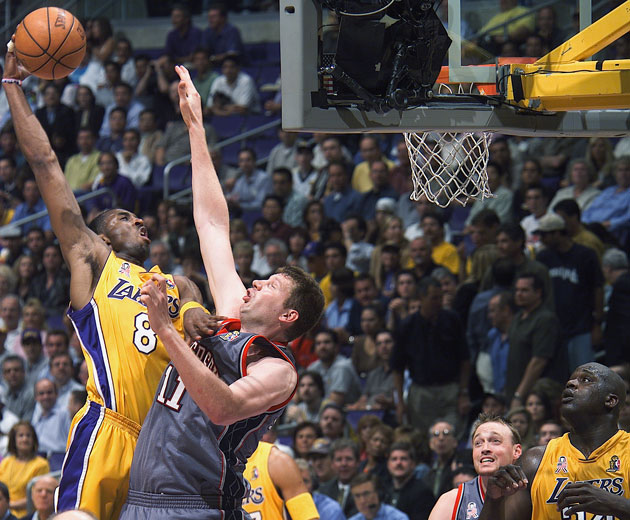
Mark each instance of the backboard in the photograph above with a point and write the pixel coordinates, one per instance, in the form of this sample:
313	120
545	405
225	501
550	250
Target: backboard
309	43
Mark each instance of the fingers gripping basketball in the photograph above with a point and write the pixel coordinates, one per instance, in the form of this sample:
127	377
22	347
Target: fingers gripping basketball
50	42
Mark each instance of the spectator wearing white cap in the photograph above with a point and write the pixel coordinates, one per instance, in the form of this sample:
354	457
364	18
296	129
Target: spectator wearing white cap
577	282
381	187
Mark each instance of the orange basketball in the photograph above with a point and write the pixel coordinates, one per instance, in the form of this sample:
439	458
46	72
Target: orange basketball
50	42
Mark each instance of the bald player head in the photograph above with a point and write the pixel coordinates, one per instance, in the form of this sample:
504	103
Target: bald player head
594	391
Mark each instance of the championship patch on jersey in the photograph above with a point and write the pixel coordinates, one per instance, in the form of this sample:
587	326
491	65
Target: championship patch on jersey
471	511
125	269
230	336
614	465
562	466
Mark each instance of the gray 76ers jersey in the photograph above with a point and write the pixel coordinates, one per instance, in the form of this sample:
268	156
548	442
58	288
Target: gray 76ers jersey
469	502
180	451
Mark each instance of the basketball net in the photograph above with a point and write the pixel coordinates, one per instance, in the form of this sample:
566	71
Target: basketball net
449	166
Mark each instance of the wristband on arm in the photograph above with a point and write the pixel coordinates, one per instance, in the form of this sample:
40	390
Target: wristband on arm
192	305
302	507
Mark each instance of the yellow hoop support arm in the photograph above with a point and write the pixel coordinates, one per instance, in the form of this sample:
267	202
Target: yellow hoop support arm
592	39
587	85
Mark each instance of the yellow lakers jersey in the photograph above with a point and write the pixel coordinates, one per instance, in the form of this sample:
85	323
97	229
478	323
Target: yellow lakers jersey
608	468
124	356
262	501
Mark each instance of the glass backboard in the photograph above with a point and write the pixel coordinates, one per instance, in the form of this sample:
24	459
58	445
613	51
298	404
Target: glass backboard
346	62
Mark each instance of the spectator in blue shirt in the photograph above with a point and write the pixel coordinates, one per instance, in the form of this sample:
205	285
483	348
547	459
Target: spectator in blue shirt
365	491
184	38
32	204
326	506
124	190
221	38
342	200
612	206
117	120
501	309
51	421
123	97
252	184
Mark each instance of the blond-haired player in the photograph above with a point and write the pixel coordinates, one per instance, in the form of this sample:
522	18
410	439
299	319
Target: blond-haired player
495	444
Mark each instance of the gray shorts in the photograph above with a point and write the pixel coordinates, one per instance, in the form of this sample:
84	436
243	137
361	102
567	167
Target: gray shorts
150	506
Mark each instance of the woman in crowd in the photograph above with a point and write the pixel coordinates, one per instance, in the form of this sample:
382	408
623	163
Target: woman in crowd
101	37
392	234
364	356
522	421
88	113
8	280
298	239
482	258
581	176
539	408
599	155
314	219
377	449
24	269
364	430
21	465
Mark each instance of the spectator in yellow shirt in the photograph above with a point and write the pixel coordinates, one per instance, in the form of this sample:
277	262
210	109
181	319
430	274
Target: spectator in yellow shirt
370	152
444	253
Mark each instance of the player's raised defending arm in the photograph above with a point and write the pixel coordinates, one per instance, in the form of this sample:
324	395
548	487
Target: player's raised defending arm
84	252
209	207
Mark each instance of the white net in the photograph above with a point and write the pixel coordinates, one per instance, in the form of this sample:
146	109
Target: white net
449	167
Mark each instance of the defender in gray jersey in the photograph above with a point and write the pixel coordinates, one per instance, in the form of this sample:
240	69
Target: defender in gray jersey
495	444
219	395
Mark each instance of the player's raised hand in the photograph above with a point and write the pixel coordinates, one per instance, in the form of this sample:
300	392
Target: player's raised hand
153	296
506	481
583	496
199	324
12	67
189	98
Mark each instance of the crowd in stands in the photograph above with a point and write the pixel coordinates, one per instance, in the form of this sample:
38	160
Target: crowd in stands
432	315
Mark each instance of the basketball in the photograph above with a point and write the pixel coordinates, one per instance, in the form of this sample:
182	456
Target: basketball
50	42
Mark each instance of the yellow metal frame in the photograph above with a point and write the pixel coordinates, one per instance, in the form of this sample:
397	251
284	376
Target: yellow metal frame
560	81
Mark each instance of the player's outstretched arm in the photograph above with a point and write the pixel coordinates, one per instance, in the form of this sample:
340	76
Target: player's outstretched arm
286	476
84	252
209	207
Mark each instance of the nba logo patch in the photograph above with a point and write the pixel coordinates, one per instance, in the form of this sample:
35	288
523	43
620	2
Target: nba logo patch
170	285
125	269
230	336
614	464
471	511
255	474
562	465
